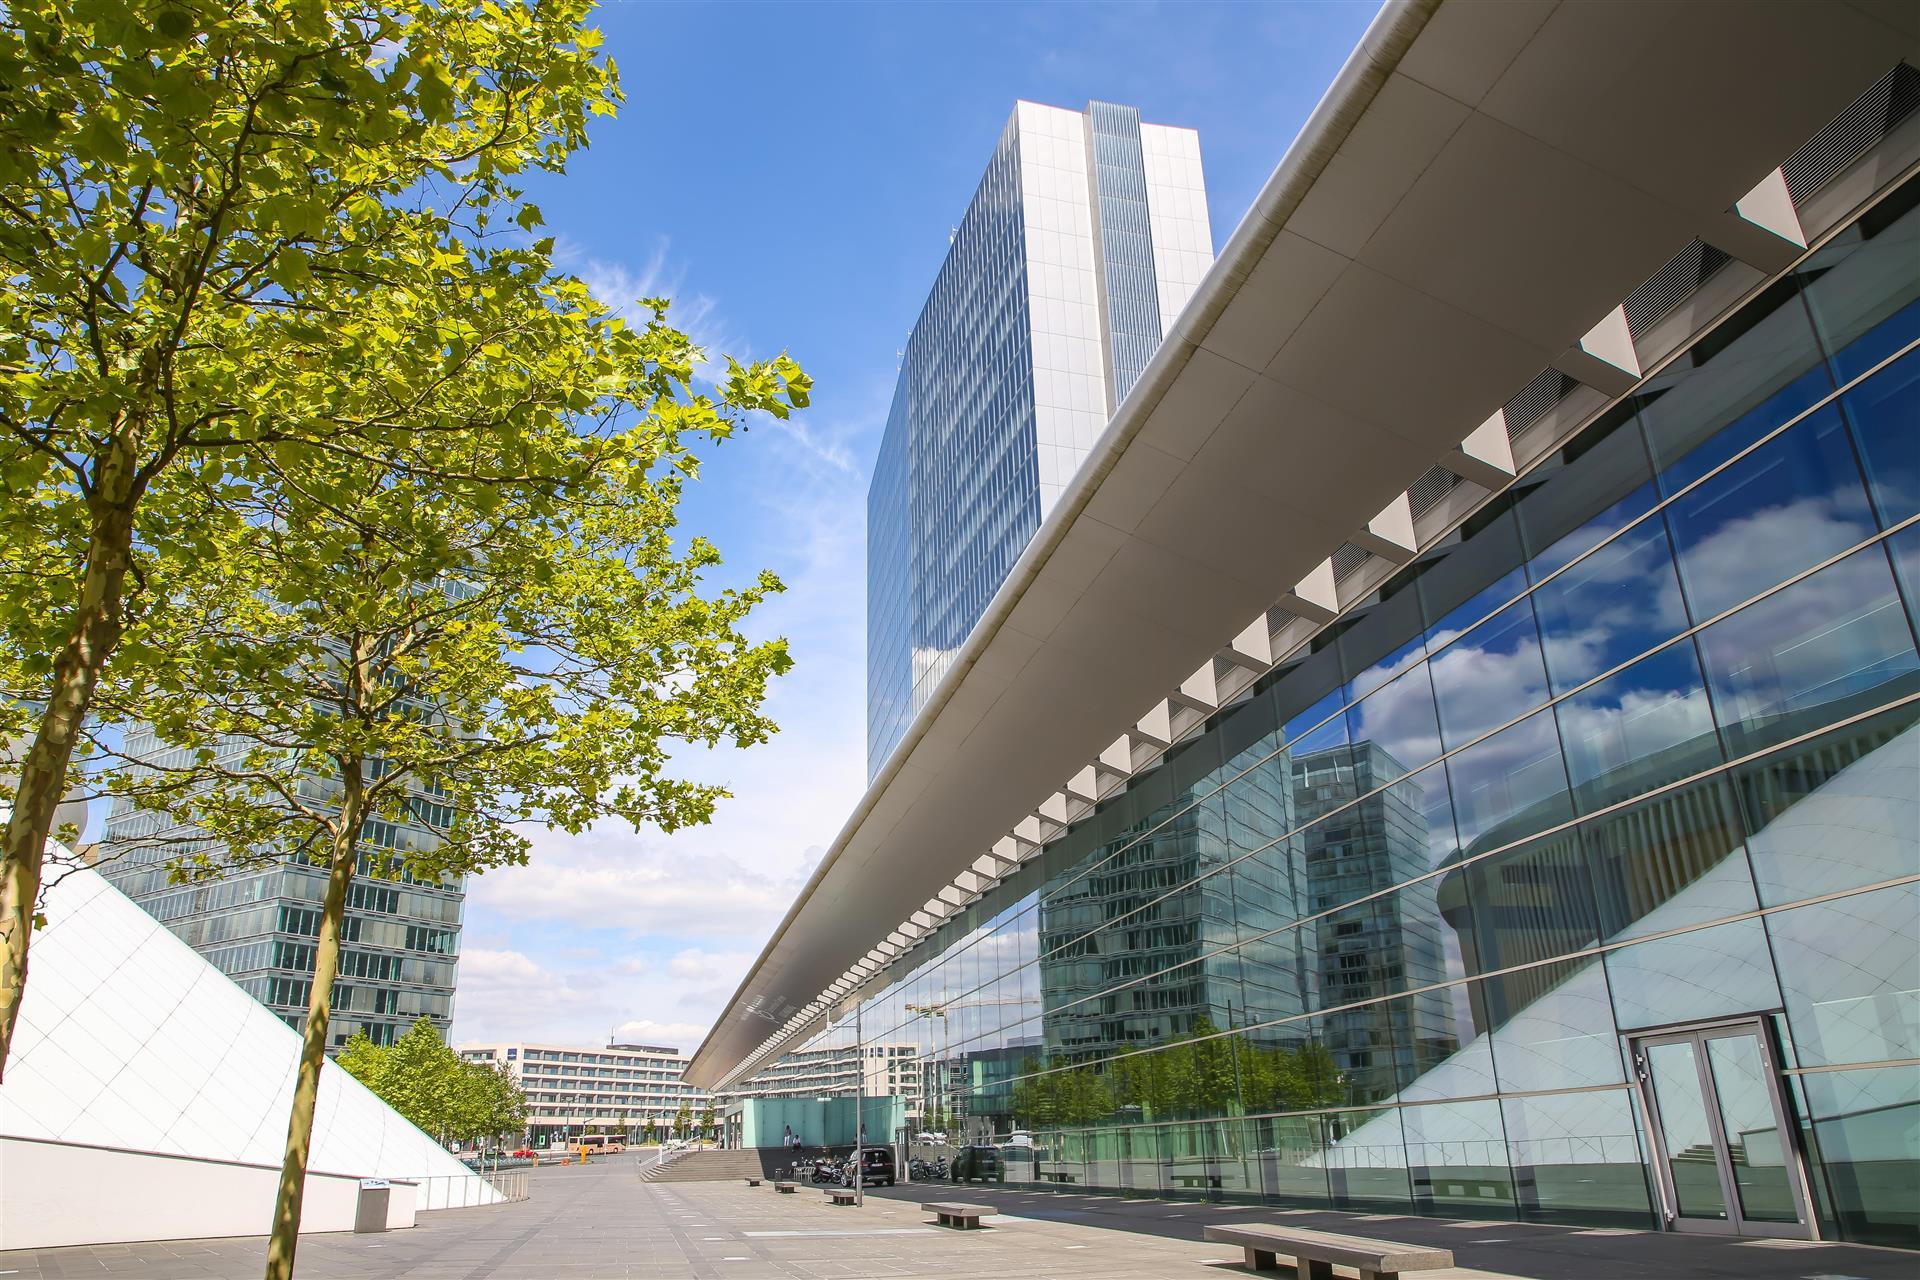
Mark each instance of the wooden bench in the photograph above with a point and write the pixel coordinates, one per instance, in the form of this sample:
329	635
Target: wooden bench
841	1195
753	1182
962	1216
1315	1252
785	1188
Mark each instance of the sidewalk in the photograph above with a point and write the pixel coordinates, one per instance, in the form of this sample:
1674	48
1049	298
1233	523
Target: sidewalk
599	1222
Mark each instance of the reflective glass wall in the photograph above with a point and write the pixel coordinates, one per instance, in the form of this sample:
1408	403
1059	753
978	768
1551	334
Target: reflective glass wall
1638	747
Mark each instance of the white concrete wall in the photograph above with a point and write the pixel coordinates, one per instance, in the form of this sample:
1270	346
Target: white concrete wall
55	1194
1177	215
1063	296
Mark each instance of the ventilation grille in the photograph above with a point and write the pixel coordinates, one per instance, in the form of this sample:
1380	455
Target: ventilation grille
1538	396
1430	488
1672	284
1347	559
1873	115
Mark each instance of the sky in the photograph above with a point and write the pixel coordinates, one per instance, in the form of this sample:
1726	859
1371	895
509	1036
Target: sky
789	174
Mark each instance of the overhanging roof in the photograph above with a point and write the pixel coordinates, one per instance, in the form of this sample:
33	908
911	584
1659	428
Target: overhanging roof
1475	194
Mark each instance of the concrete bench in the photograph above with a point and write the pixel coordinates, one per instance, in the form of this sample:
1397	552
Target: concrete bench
753	1182
841	1195
1315	1252
785	1188
1210	1180
1055	1175
963	1216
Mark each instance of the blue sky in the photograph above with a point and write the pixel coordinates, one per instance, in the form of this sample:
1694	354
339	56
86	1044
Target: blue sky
789	173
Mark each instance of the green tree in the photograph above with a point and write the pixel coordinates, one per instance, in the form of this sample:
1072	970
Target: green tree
464	633
425	1081
210	213
706	1120
682	1120
1084	1097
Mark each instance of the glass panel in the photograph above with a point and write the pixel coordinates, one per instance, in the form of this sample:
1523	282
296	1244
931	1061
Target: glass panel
1832	644
1381	643
1686	1131
1613	606
1367	1161
1236	1166
1863	288
1751	374
1791	503
1576	1158
1398	720
1866	1145
1836	812
1884	411
1669	862
1458	1154
1728	971
1510	785
1530	903
1638	729
1489	676
1259	804
1475	578
1553	1027
1601	470
1289	1151
1849	970
1905	546
1759	1157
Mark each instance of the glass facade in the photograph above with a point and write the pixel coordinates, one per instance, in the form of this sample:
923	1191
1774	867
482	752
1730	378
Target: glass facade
1128	289
1518	893
956	494
400	939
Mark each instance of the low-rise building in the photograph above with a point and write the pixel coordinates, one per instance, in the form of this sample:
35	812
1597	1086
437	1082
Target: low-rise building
572	1090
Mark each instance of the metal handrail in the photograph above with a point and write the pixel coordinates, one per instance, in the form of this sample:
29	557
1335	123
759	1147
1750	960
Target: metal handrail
468	1191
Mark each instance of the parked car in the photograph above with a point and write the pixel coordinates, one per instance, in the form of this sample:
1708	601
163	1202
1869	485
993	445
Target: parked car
876	1168
978	1164
524	1153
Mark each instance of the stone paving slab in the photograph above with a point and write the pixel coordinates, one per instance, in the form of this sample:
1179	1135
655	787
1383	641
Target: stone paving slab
600	1222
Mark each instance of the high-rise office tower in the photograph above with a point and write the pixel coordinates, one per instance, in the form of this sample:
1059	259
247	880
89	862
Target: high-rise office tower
399	941
1086	237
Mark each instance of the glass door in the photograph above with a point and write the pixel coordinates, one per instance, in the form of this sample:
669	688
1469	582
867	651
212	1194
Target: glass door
1718	1120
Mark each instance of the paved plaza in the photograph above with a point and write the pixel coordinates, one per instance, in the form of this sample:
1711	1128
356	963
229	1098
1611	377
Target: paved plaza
594	1221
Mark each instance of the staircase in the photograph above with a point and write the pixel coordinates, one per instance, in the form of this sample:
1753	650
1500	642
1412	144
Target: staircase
718	1166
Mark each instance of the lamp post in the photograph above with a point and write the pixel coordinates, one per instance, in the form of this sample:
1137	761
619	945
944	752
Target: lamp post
859	1110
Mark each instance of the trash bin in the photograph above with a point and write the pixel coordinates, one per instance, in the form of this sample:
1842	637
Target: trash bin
370	1212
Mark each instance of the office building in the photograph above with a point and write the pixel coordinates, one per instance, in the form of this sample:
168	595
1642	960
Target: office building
1533	487
400	940
1084	240
619	1090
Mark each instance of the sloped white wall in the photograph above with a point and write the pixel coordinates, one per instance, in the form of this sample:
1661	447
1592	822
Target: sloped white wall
129	1042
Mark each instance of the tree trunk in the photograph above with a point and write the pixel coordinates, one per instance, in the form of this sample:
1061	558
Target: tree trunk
96	630
313	1043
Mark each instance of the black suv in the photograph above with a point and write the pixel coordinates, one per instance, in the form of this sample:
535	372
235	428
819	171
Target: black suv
978	1164
876	1167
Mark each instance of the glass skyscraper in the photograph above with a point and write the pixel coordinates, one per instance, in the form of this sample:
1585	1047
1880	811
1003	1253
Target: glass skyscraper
1085	238
1572	874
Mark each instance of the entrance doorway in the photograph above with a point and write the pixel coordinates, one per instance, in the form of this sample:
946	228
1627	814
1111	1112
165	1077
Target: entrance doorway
1723	1151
